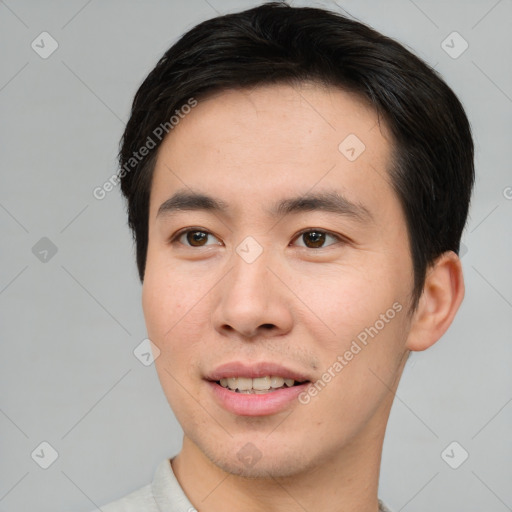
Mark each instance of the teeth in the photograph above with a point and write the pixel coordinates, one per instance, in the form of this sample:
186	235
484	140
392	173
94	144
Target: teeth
244	383
258	385
276	382
261	383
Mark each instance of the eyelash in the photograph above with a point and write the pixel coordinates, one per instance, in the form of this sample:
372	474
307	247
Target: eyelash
339	239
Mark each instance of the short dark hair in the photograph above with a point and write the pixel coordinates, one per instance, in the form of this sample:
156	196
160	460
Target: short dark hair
432	169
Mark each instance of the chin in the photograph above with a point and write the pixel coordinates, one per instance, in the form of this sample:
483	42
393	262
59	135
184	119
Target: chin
245	460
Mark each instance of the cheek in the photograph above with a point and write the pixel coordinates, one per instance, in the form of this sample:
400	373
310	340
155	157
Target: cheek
173	302
357	321
170	321
359	369
344	300
168	296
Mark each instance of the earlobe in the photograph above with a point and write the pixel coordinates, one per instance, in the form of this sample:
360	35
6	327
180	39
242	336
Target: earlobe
442	295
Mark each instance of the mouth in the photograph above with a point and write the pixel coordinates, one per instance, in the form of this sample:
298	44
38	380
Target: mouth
256	389
258	385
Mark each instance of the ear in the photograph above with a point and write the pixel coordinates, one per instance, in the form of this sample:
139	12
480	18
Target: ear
439	302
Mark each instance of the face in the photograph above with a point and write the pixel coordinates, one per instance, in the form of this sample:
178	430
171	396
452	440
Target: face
258	284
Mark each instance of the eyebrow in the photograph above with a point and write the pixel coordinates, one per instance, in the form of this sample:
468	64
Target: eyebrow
330	201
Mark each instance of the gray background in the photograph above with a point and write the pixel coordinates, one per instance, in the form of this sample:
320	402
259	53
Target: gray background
70	322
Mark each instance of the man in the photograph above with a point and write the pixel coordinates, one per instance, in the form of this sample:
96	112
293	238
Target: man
297	185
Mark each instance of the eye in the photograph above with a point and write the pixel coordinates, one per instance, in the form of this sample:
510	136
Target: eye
316	238
197	237
194	237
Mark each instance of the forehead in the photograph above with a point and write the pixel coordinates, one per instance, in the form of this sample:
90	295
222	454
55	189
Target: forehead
263	141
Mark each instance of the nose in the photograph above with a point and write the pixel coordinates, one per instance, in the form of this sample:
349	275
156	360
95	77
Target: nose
253	301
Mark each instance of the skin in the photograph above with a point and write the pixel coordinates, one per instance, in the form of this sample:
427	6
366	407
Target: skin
298	303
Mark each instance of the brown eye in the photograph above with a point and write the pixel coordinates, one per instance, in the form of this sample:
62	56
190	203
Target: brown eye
193	238
196	238
315	238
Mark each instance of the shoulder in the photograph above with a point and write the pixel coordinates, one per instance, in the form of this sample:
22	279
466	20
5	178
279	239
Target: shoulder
140	500
382	507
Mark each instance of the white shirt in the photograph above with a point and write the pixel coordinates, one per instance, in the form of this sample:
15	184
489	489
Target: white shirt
163	494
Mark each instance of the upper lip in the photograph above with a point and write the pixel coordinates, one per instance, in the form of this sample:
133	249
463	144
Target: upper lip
254	370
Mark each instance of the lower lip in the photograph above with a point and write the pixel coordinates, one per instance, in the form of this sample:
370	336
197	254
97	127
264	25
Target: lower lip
252	404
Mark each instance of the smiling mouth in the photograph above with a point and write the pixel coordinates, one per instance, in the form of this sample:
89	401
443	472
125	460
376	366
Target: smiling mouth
259	385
